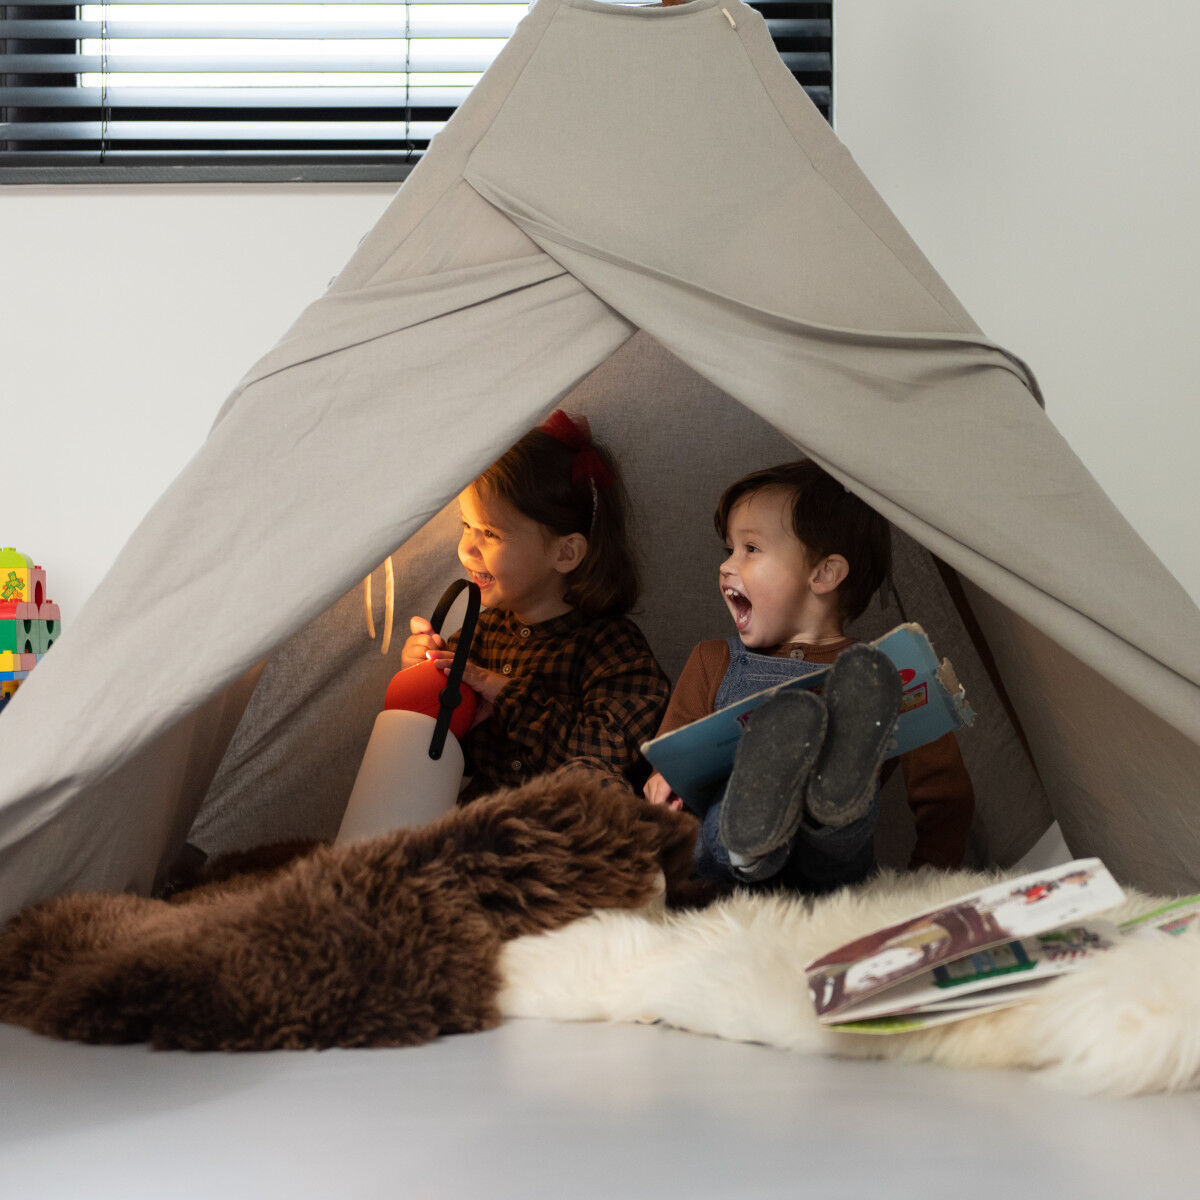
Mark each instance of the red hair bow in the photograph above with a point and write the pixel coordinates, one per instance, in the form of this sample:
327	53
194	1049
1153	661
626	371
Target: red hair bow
576	434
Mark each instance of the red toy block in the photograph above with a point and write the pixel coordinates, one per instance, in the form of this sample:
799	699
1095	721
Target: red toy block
37	586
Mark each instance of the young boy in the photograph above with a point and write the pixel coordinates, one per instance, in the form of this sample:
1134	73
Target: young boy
800	807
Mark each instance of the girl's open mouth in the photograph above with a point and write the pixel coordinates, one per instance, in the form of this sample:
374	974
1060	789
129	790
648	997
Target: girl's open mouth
482	578
739	605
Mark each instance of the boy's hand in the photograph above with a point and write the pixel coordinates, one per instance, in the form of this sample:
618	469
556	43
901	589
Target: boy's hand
421	644
658	791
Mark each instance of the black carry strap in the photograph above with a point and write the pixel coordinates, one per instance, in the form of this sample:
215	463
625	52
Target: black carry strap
450	696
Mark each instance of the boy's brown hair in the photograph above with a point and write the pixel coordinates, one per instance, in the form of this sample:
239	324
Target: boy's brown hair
827	519
535	477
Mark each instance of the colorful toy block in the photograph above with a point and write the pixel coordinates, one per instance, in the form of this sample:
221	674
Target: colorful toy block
18	628
29	622
37	585
14	669
15	571
51	618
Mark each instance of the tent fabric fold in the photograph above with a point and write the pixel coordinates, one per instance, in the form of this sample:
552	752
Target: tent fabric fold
617	170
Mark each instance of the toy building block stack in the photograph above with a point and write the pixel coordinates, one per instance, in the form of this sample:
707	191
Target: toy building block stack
29	622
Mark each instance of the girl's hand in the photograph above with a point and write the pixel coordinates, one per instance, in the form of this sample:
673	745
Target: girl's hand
486	684
421	644
658	791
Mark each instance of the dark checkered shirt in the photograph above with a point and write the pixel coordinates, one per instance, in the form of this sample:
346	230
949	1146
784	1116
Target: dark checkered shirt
583	689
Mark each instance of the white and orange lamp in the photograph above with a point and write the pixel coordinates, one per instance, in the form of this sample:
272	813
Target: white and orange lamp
413	768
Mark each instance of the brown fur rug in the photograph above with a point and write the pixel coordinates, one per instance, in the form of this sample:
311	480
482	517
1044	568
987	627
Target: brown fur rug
385	942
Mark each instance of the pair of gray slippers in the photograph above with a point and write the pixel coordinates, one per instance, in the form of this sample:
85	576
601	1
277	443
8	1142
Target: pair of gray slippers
804	754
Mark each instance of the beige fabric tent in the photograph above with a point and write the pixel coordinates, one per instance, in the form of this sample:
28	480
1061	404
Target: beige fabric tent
573	201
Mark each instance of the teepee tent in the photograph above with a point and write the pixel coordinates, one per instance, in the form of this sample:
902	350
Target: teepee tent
565	241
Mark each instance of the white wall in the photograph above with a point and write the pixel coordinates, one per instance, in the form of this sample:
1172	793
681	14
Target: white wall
1045	154
1042	152
117	356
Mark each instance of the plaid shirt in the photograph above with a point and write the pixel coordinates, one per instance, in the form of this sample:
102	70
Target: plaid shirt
582	689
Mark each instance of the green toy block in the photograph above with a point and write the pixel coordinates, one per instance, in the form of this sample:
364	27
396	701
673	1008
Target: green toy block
51	617
18	632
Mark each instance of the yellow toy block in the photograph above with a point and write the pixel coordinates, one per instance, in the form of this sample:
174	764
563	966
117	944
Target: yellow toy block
16	576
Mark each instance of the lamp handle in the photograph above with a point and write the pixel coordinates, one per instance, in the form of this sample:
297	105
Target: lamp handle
450	696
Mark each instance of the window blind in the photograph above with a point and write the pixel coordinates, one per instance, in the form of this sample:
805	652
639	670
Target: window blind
268	89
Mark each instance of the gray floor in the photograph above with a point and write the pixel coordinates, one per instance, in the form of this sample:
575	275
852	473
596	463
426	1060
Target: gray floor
537	1109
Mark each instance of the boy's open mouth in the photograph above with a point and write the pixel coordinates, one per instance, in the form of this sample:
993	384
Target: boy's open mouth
482	578
739	605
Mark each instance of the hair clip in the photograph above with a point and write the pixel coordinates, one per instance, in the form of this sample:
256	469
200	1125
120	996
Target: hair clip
588	465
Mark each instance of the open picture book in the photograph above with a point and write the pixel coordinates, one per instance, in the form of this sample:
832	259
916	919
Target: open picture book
987	950
697	758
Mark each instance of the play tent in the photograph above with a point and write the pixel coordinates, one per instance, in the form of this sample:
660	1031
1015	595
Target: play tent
571	237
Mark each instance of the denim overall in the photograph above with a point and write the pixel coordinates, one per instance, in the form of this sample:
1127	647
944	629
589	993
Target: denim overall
820	858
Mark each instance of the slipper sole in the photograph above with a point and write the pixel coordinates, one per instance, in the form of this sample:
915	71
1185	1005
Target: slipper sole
862	700
764	800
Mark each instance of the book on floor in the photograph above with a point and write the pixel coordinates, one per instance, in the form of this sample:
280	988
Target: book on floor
984	951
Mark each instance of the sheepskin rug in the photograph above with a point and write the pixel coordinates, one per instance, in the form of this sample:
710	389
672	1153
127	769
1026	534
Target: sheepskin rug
385	942
1127	1023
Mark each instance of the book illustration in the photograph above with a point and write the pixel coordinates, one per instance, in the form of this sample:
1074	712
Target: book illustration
1005	959
1168	920
697	758
1029	928
1008	972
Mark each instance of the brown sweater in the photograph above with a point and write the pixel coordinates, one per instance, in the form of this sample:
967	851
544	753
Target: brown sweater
935	777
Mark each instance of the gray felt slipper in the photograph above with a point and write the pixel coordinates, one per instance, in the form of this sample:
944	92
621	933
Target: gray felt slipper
862	699
764	799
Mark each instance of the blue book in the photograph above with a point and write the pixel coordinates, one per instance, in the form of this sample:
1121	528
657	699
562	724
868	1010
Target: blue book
697	758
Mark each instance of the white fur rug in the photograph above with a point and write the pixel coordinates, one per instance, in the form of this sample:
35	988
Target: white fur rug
1128	1023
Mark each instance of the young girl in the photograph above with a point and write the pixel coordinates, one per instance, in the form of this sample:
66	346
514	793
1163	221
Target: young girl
563	675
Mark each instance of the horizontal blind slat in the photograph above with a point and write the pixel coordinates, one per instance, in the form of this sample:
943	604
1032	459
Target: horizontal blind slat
420	25
256	3
73	29
803	62
812	27
199	131
76	64
69	64
238	98
261	97
174	154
